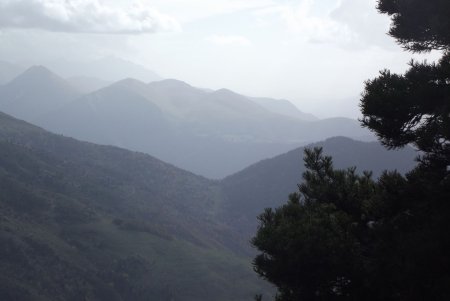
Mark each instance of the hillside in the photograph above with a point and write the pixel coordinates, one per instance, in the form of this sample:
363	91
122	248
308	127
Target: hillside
269	182
80	221
83	221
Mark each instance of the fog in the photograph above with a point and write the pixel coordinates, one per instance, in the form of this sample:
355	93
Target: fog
150	149
317	54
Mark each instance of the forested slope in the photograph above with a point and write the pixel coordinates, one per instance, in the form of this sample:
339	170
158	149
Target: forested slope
81	221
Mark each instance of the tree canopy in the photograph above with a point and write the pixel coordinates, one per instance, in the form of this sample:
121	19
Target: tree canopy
419	25
411	108
310	245
414	107
345	236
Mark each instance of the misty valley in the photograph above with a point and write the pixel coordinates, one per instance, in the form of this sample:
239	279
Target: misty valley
82	220
120	183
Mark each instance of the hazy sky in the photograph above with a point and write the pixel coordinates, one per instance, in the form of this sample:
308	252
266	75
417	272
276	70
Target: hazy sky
316	53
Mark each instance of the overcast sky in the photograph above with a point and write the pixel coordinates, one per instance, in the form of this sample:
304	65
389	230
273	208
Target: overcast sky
316	53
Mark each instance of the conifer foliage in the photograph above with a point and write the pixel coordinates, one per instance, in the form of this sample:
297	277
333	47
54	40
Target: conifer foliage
345	236
419	25
414	107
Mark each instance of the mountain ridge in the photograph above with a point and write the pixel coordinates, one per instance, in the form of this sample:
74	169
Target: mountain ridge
212	133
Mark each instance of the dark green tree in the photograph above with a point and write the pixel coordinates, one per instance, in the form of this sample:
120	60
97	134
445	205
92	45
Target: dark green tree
414	108
312	246
413	249
346	237
419	25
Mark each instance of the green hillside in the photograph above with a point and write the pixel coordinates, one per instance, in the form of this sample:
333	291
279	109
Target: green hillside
80	221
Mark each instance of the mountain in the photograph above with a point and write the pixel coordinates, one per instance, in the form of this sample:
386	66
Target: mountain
176	98
224	113
197	106
8	72
80	221
122	115
269	182
115	115
35	92
211	133
283	107
108	69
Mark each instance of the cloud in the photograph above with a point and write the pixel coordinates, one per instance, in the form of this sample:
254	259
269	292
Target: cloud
83	16
352	24
229	40
368	26
192	10
305	20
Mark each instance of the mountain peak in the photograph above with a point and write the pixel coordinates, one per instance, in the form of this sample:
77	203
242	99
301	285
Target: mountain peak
172	83
35	92
38	70
130	82
226	94
37	74
224	91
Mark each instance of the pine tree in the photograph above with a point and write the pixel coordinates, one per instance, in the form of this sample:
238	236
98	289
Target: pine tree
343	236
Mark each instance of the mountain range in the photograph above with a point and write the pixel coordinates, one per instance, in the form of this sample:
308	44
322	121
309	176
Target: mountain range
83	221
211	133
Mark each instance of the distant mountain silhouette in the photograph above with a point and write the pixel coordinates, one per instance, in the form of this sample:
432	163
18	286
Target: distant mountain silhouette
211	133
269	182
35	92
